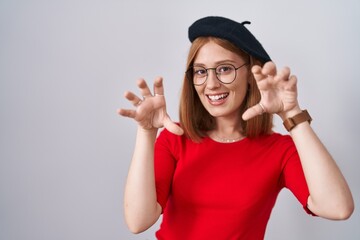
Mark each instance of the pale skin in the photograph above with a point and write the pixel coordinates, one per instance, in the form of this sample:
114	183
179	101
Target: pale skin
330	196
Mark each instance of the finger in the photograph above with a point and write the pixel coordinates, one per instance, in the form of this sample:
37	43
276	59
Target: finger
158	86
256	70
173	127
135	100
283	74
127	113
254	111
269	69
292	82
144	89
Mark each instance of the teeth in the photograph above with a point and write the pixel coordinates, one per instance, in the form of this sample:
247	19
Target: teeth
217	97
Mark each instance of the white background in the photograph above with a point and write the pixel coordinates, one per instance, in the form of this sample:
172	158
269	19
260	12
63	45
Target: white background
64	66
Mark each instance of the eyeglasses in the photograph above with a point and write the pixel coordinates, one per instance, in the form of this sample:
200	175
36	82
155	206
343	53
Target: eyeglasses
225	73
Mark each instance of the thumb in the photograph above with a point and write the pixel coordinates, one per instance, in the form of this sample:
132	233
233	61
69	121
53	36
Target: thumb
173	127
254	111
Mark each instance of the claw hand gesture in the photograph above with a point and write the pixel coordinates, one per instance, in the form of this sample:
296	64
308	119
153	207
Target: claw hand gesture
278	91
150	112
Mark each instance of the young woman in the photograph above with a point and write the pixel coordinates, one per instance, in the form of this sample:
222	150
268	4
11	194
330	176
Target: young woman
217	174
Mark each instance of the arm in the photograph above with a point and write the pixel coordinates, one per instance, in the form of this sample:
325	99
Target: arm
330	196
140	202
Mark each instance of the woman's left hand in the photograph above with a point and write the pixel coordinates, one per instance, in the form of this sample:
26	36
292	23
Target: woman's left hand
278	91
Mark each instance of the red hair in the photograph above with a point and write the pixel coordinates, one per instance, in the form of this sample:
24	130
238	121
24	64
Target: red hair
194	118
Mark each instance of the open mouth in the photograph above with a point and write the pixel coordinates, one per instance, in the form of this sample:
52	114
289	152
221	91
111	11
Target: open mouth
218	97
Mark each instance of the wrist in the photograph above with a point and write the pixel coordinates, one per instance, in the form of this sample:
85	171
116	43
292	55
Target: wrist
292	122
145	131
290	113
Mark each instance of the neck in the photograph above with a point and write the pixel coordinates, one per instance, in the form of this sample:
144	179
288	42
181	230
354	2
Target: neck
226	131
226	134
226	140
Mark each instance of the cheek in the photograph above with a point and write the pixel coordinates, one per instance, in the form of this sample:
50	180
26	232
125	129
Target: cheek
199	90
241	88
240	93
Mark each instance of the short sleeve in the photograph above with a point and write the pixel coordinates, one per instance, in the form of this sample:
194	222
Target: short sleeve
164	166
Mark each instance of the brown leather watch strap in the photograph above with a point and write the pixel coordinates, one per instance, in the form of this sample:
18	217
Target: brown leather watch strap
290	123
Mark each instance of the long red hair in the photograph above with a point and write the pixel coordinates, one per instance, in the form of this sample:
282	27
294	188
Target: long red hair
194	118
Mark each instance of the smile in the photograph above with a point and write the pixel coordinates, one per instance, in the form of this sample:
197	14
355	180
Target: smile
219	97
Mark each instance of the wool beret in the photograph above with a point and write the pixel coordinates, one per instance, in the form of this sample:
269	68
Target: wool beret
234	32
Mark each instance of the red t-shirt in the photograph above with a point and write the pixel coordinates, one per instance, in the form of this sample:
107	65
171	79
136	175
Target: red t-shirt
213	190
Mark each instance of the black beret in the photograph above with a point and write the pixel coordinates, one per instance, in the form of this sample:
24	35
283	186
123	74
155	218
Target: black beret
234	32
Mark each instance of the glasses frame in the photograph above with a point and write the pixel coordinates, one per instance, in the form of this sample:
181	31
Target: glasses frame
217	74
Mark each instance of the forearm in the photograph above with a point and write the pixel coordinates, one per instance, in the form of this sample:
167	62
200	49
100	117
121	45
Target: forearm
140	202
330	196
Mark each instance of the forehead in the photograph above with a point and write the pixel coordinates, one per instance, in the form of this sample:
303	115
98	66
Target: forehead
212	53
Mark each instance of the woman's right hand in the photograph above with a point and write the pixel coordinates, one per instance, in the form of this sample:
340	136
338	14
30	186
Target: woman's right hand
150	111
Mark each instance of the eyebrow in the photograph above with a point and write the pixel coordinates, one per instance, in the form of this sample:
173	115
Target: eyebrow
217	62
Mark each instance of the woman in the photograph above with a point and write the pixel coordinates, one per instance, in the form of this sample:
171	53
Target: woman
217	174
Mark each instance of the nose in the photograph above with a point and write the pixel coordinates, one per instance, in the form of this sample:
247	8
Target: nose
212	81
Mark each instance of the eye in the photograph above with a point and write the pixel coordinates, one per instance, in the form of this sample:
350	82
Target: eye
199	72
224	69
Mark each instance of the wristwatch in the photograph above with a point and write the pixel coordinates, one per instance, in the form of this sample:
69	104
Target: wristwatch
290	123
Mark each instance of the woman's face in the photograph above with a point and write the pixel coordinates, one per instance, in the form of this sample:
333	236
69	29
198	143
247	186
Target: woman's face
219	99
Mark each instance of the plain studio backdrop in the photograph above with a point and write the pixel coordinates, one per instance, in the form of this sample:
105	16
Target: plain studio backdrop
64	66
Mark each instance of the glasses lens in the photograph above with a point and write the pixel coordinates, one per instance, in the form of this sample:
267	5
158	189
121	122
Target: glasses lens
199	75
226	73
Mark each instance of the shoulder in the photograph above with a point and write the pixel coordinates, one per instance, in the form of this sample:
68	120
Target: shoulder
170	141
168	136
273	139
274	143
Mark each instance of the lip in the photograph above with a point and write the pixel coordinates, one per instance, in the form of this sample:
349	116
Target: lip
217	98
